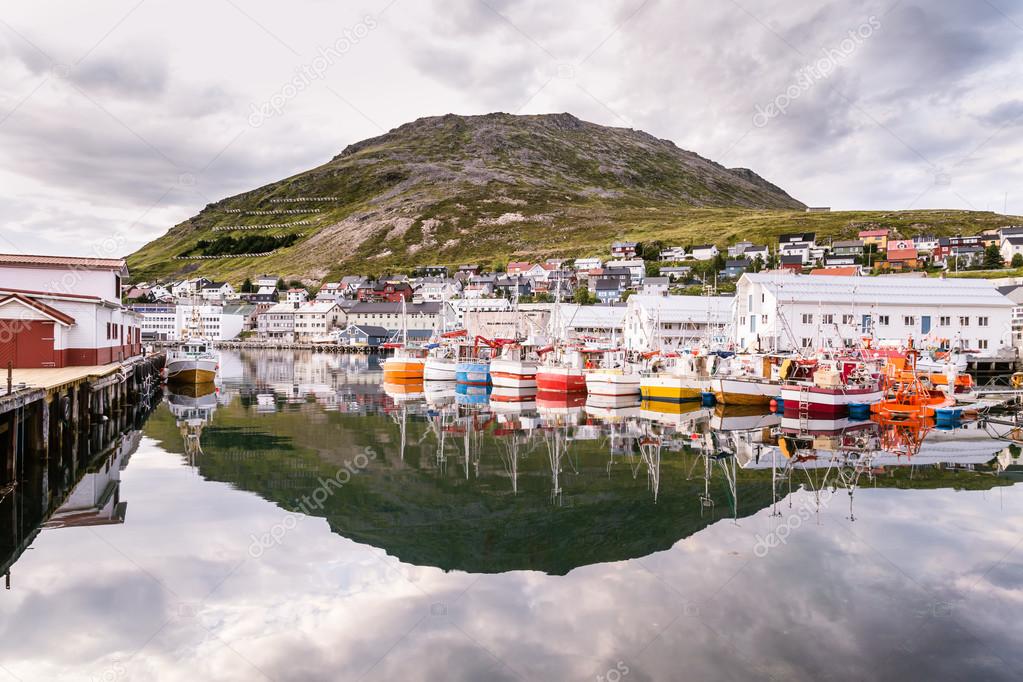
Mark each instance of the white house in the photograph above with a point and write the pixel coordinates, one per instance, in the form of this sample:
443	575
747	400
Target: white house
655	286
217	291
436	289
672	322
785	312
584	264
60	311
673	253
297	295
704	252
1010	247
315	319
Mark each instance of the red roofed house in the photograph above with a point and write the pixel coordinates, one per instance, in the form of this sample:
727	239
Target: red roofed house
64	311
901	255
845	271
518	267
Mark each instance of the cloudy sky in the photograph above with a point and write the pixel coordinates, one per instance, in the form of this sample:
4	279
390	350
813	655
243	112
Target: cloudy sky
120	118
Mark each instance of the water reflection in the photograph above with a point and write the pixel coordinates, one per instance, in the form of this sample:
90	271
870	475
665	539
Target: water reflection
482	472
509	539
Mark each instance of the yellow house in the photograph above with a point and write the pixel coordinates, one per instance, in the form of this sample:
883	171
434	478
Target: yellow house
876	237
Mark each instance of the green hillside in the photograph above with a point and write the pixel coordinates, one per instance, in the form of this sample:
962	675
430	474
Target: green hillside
454	189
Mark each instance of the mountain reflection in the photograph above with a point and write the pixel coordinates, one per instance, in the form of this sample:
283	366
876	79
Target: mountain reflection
460	482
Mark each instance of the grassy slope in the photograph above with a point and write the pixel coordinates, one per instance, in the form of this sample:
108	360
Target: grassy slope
585	231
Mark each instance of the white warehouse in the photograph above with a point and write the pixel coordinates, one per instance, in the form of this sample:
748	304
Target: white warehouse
672	322
784	312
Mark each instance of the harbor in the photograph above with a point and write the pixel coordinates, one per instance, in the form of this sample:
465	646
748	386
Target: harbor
569	497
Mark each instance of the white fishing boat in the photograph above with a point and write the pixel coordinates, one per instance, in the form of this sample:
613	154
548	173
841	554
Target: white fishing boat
612	377
515	367
193	363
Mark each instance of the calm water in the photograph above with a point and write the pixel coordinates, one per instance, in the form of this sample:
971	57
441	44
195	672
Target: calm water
303	524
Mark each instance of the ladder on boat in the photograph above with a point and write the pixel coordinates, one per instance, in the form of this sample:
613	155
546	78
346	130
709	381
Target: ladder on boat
804	408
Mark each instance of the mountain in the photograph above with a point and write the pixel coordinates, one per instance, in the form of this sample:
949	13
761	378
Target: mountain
455	189
449	188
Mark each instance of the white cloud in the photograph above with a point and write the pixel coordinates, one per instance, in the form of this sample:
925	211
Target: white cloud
104	108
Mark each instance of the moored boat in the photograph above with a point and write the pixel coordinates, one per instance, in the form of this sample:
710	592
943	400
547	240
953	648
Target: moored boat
514	368
562	371
194	363
685	377
825	389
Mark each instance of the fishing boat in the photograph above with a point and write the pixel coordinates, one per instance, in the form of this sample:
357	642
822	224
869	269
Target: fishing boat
682	377
407	363
472	366
441	363
825	389
611	377
193	363
562	370
514	367
909	394
748	379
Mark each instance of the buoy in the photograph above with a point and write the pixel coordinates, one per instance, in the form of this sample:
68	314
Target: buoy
774	405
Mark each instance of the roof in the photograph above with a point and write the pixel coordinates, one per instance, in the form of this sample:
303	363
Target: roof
430	308
52	313
874	233
739	263
849	243
214	285
626	244
63	261
656	281
851	271
316	307
1015	241
701	247
797	237
901	254
878	290
369	329
607	284
684	308
792	260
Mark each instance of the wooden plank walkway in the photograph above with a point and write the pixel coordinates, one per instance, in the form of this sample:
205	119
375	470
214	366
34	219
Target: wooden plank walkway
52	377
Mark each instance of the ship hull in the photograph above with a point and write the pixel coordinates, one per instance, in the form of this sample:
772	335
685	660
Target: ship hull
671	389
744	391
612	385
191	371
513	374
828	403
560	380
439	369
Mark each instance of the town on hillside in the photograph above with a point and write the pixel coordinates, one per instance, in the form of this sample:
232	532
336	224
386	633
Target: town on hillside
644	294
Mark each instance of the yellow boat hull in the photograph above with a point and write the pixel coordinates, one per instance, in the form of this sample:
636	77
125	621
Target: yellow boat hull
192	377
744	399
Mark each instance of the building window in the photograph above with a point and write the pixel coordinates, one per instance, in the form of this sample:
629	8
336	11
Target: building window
807	343
828	319
909	321
847	319
964	321
807	318
982	344
944	321
882	320
981	321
